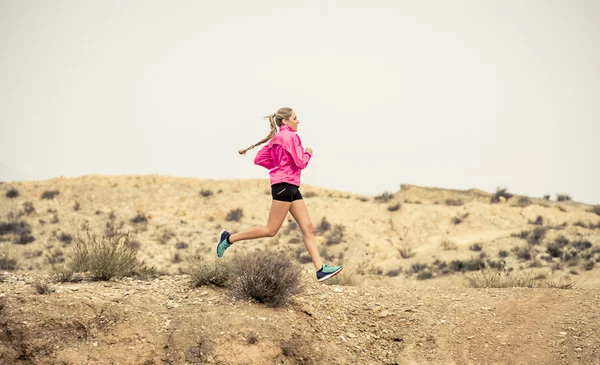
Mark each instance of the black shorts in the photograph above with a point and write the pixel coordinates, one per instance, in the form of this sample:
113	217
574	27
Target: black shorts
285	192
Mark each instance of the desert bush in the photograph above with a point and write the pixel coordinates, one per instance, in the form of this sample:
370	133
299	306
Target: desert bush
252	338
454	202
538	221
103	256
523	202
268	277
42	287
393	273
500	193
234	215
424	275
61	274
536	236
206	193
581	224
181	245
139	218
476	247
472	264
503	253
393	208
505	279
581	245
595	209
209	272
50	194
28	208
12	193
547	197
309	194
384	197
562	197
588	265
363	199
554	250
336	235
7	260
406	252
76	206
561	241
323	227
522	253
448	245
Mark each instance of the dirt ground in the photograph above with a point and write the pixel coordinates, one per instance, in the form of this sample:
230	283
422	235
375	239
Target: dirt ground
163	321
384	311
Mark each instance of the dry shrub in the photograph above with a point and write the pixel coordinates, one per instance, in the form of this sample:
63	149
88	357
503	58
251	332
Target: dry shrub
384	197
454	202
106	256
50	194
505	279
234	215
42	287
501	193
12	193
7	260
448	245
209	272
269	277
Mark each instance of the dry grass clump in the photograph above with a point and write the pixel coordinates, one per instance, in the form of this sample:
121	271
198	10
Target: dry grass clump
269	277
505	279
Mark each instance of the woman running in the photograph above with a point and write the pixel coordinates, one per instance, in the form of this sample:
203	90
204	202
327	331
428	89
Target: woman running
285	157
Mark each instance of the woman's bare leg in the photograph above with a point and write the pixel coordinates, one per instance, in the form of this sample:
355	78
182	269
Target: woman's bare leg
279	210
300	214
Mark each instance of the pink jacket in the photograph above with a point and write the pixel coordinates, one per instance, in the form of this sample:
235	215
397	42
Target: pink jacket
284	156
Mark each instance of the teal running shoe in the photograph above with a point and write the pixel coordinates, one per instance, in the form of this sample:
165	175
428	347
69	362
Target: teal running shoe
327	272
223	243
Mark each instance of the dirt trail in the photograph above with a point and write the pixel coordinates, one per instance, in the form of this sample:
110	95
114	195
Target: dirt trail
164	322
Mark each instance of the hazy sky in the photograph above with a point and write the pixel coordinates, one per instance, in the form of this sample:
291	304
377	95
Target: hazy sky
456	94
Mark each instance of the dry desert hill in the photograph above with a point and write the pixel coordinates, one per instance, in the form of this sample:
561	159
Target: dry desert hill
431	276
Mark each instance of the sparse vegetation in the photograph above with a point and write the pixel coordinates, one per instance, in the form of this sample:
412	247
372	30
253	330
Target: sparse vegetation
76	206
42	287
206	193
251	338
454	202
589	265
539	221
336	235
50	194
105	257
209	272
472	264
505	279
323	227
7	260
448	245
595	209
459	218
384	197
139	218
501	194
393	208
503	253
28	208
424	275
476	247
268	277
563	197
234	215
522	253
12	193
181	245
309	194
65	237
406	252
523	202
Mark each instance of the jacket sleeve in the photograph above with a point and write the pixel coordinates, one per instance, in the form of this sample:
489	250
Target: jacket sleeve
263	158
299	156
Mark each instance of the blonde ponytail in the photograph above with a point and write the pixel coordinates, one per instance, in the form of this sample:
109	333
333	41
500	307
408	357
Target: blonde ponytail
275	120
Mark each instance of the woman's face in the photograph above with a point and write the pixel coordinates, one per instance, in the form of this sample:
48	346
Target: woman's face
292	122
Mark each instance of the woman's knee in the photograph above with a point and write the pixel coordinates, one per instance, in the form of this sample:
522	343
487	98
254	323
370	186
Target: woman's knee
308	230
271	232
